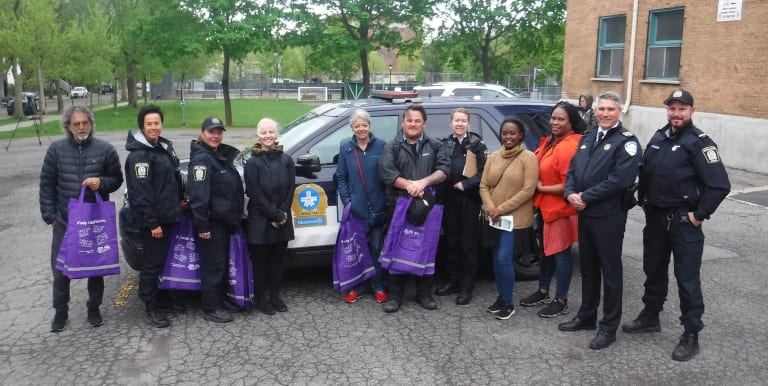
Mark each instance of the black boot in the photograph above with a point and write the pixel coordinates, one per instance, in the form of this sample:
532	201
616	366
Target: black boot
277	303
687	348
647	321
60	319
264	305
156	318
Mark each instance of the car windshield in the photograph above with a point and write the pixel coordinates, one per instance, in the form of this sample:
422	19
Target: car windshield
305	125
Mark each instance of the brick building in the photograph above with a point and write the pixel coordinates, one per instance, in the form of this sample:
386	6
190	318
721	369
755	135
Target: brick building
717	49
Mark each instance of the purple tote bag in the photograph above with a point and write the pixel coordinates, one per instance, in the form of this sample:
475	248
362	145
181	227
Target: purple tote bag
89	247
352	262
240	289
182	264
411	249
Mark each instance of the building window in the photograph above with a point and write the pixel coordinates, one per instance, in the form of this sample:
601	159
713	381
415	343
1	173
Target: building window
665	35
610	56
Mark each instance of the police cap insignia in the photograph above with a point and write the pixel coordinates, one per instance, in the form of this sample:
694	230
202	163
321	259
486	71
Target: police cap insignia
141	170
199	172
710	154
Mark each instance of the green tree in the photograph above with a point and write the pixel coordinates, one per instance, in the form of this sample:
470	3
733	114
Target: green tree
234	29
365	26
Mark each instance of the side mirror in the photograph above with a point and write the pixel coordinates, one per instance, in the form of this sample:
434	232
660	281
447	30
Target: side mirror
307	164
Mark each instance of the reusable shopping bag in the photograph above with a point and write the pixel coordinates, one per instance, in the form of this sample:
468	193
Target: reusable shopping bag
182	264
240	289
89	247
352	263
408	248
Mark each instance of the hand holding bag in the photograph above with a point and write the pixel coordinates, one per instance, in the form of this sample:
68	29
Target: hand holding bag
89	247
240	287
352	261
409	248
182	264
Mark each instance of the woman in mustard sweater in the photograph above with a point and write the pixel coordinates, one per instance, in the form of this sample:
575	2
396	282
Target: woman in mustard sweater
507	188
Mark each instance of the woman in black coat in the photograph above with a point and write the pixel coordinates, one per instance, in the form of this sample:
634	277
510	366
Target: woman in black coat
270	176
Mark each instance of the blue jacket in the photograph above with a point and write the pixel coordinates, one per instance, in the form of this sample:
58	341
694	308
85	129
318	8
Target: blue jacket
350	185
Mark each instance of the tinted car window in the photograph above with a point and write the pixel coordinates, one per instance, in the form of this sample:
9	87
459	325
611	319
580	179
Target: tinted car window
327	149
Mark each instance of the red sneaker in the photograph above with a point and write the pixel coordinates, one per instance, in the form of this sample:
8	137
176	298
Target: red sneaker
352	297
381	296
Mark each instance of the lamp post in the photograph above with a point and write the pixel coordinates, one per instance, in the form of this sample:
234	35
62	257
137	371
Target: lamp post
390	77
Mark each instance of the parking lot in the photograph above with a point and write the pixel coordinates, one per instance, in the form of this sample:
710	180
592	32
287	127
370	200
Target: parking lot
322	340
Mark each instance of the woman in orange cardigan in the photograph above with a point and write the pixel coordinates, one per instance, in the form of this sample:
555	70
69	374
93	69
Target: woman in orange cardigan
507	188
560	219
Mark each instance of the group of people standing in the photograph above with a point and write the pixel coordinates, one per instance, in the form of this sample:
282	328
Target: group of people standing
582	182
215	194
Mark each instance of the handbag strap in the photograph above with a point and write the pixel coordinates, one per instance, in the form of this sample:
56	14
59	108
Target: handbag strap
362	177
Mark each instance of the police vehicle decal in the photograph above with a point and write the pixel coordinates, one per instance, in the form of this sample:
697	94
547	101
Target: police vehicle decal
309	204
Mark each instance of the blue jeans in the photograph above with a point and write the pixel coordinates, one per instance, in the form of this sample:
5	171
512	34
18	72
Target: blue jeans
560	264
503	266
380	279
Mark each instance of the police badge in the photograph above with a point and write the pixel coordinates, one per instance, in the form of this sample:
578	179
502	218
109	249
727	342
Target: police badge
141	170
199	172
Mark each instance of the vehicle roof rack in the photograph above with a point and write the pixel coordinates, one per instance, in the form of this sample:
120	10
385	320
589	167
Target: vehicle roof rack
397	96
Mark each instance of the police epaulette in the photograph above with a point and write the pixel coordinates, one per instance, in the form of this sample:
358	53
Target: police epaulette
628	134
586	132
702	135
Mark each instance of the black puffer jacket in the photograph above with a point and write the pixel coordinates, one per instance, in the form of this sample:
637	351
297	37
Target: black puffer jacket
214	186
398	160
67	164
154	182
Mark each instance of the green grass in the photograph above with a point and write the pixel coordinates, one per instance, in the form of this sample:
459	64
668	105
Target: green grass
245	113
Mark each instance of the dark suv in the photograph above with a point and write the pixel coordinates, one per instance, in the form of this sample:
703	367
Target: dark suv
30	103
313	142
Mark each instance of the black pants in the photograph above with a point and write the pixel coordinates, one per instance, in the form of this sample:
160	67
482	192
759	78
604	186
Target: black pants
268	267
461	237
665	232
61	282
155	253
215	265
397	286
600	245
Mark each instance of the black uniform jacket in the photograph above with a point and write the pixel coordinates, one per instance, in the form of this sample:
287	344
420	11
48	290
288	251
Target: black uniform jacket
214	186
683	170
398	160
153	179
605	172
472	143
66	165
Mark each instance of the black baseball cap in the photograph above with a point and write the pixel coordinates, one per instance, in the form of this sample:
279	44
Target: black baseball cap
211	123
680	95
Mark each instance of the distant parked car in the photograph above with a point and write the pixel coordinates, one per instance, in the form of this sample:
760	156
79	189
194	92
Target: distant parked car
106	89
30	103
465	89
78	92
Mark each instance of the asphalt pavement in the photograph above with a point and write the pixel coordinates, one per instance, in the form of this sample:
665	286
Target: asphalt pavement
321	340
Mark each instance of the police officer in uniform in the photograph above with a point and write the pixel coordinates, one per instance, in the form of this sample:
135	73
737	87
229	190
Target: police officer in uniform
216	197
601	173
460	195
682	182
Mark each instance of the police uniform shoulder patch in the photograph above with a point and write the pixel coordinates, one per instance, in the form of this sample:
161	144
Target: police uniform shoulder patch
199	172
141	170
628	134
631	148
710	154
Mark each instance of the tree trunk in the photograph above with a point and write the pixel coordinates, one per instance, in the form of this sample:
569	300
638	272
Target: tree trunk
131	84
18	105
225	90
41	92
366	73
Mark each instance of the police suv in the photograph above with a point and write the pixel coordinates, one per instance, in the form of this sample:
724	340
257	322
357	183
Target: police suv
313	142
